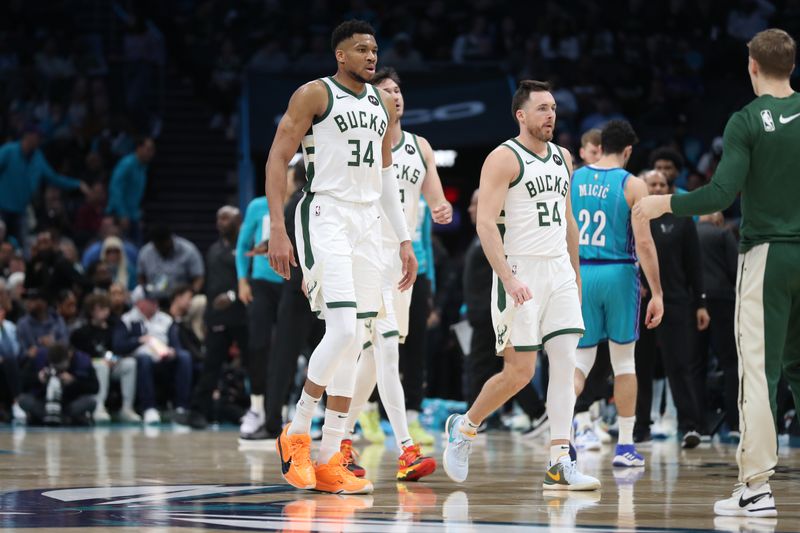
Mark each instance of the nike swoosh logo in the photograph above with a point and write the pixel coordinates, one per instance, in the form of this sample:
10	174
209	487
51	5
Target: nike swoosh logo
342	416
554	478
285	465
340	97
752	499
786	120
529	162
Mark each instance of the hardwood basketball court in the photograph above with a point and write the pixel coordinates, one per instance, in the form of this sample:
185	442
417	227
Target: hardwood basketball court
168	479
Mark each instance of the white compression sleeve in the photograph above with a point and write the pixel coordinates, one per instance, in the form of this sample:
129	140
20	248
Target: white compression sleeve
561	389
365	384
390	202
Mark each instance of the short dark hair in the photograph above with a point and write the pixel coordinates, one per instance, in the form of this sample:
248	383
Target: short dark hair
524	90
775	51
386	73
616	135
160	233
179	289
347	29
668	154
58	354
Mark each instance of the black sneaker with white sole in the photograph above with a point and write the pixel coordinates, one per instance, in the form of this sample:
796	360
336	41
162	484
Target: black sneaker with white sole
691	440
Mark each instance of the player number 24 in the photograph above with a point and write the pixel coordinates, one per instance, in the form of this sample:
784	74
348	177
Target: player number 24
368	157
585	218
547	218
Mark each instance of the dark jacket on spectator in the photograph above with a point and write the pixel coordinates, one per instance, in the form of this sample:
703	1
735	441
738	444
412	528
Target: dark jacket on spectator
720	257
477	284
680	262
51	273
29	330
80	366
93	339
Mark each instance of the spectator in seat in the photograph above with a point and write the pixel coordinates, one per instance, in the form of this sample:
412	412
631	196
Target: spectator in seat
147	334
59	387
9	362
168	261
41	327
122	271
95	339
108	228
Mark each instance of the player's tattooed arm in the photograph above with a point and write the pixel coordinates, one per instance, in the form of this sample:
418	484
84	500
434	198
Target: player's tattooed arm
441	210
308	101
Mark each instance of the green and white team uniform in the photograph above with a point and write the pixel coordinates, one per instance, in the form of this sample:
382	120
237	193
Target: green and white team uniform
410	169
533	226
760	161
338	220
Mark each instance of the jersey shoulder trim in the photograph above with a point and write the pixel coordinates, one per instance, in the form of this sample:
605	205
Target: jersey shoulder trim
327	112
419	151
348	91
380	101
541	159
561	155
521	165
401	142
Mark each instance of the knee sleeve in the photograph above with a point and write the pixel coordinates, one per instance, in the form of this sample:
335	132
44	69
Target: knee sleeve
338	344
622	358
584	359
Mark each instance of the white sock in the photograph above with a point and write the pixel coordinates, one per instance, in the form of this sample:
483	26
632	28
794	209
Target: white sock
412	416
626	429
557	451
584	420
332	434
468	426
301	423
257	403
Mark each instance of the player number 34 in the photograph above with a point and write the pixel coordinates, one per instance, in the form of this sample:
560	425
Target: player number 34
368	158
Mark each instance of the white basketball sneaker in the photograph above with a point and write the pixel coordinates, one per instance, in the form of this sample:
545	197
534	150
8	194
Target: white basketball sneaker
587	439
457	449
564	475
748	502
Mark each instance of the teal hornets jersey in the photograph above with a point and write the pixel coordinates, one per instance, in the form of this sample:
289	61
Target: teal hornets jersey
603	215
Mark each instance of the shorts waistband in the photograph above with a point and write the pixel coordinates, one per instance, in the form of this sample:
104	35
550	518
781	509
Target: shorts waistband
327	198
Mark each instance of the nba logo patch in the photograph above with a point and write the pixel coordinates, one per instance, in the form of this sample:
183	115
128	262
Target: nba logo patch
316	210
766	118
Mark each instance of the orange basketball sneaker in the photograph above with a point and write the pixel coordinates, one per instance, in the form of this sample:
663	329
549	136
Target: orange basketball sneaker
334	477
413	466
295	454
350	455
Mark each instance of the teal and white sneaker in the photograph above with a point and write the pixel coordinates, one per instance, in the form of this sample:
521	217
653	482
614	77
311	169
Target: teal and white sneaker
564	475
457	449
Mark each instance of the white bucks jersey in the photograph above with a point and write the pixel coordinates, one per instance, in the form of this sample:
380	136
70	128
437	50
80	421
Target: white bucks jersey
534	217
342	150
410	169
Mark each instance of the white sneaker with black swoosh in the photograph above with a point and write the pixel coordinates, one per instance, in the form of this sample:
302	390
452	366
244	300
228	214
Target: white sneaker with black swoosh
748	502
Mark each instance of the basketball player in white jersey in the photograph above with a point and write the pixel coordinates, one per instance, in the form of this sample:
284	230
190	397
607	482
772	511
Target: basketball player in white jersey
415	169
530	238
342	122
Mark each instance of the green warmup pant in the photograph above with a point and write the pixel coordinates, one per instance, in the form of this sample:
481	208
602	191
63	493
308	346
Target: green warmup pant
767	328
